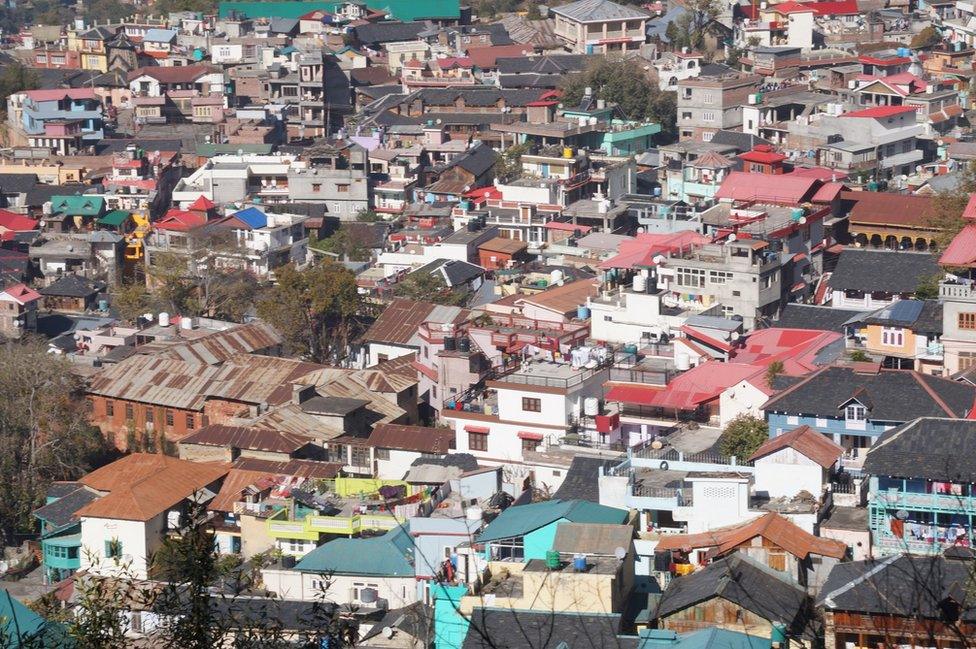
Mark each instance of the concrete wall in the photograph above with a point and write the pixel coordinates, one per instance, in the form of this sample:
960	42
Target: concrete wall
787	472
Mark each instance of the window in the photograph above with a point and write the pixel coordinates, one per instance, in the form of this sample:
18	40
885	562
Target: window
382	454
855	412
477	442
708	116
967	320
707	137
608	318
691	277
719	276
128	411
169	417
966	360
110	408
686	115
295	545
342	189
530	404
190	424
893	336
113	549
529	444
767	281
316	187
360	456
149	414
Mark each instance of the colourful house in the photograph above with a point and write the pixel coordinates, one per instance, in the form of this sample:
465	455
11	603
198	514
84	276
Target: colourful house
525	532
61	529
404	10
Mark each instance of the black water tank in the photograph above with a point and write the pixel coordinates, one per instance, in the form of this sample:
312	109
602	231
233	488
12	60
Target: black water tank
464	344
450	344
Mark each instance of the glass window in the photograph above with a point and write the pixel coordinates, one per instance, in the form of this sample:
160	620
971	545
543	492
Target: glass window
530	404
477	442
856	412
113	549
110	408
967	320
169	417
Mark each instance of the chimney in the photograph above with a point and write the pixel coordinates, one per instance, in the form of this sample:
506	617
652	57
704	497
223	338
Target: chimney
301	393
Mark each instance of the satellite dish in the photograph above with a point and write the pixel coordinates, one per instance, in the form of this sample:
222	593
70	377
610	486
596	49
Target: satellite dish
387	632
732	237
803	220
620	553
735	335
659	260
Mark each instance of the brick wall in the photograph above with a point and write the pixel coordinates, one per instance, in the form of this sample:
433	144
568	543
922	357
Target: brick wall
116	417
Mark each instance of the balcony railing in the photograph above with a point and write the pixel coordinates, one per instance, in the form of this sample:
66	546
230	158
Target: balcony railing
897	499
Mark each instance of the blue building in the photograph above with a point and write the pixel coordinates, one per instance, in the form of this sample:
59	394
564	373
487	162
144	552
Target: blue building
71	104
856	404
527	531
922	496
61	529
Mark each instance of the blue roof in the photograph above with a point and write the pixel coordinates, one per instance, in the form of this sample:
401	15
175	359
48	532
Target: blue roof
253	217
712	638
22	627
159	35
902	311
522	519
390	555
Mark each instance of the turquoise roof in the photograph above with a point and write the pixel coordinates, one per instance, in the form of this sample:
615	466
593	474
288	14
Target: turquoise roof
405	10
713	638
522	519
22	627
390	555
79	204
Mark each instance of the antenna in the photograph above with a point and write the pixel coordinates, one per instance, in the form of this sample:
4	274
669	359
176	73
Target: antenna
620	553
387	632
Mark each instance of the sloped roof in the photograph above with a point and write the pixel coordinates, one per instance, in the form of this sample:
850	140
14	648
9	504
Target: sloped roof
885	208
592	538
928	448
390	555
72	285
598	10
563	299
961	252
806	441
398	323
522	519
745	583
770	526
61	512
22	293
246	437
893	271
172	74
412	438
508	628
143	485
784	189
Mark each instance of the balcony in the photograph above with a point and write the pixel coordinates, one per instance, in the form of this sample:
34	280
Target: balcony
948	503
961	290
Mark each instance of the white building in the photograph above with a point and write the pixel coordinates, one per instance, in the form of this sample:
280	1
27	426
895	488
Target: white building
800	460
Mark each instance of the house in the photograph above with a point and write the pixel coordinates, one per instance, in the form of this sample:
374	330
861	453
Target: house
61	529
739	593
499	253
488	627
455	274
772	540
222	443
891	221
600	27
899	599
905	335
710	103
922	487
395	332
800	460
856	404
367	573
522	533
144	497
159	81
388	451
18	310
866	280
28	111
72	293
958	325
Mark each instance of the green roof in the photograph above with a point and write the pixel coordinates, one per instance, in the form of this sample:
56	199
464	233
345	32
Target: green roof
405	10
78	205
522	519
22	627
210	150
713	638
390	555
115	217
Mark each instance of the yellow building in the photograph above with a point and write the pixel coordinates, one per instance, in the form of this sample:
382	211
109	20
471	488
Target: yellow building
906	335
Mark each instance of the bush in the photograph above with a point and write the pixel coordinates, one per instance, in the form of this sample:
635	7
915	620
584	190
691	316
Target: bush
743	436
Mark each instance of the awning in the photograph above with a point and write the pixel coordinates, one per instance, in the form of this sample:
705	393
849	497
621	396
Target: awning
524	434
114	218
479	430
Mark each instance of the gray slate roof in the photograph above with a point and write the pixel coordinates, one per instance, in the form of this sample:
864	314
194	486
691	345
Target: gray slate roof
900	585
61	512
598	10
927	448
882	270
504	628
889	395
388	32
809	316
582	479
17	183
749	585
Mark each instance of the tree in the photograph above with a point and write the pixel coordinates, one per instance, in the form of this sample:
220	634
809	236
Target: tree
508	166
928	37
172	283
44	432
928	287
228	294
429	287
860	356
316	309
131	300
775	369
368	216
948	206
743	436
347	244
692	27
16	77
624	83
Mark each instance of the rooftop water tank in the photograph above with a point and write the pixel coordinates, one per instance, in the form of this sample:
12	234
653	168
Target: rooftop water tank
163	319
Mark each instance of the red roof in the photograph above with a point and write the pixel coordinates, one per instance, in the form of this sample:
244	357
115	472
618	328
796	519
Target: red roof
453	62
172	74
567	227
487	57
878	112
762	155
642	250
689	389
202	204
835	8
962	251
890	60
792	8
795	348
180	221
22	293
970	212
16	222
828	192
820	173
811	443
715	343
783	189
